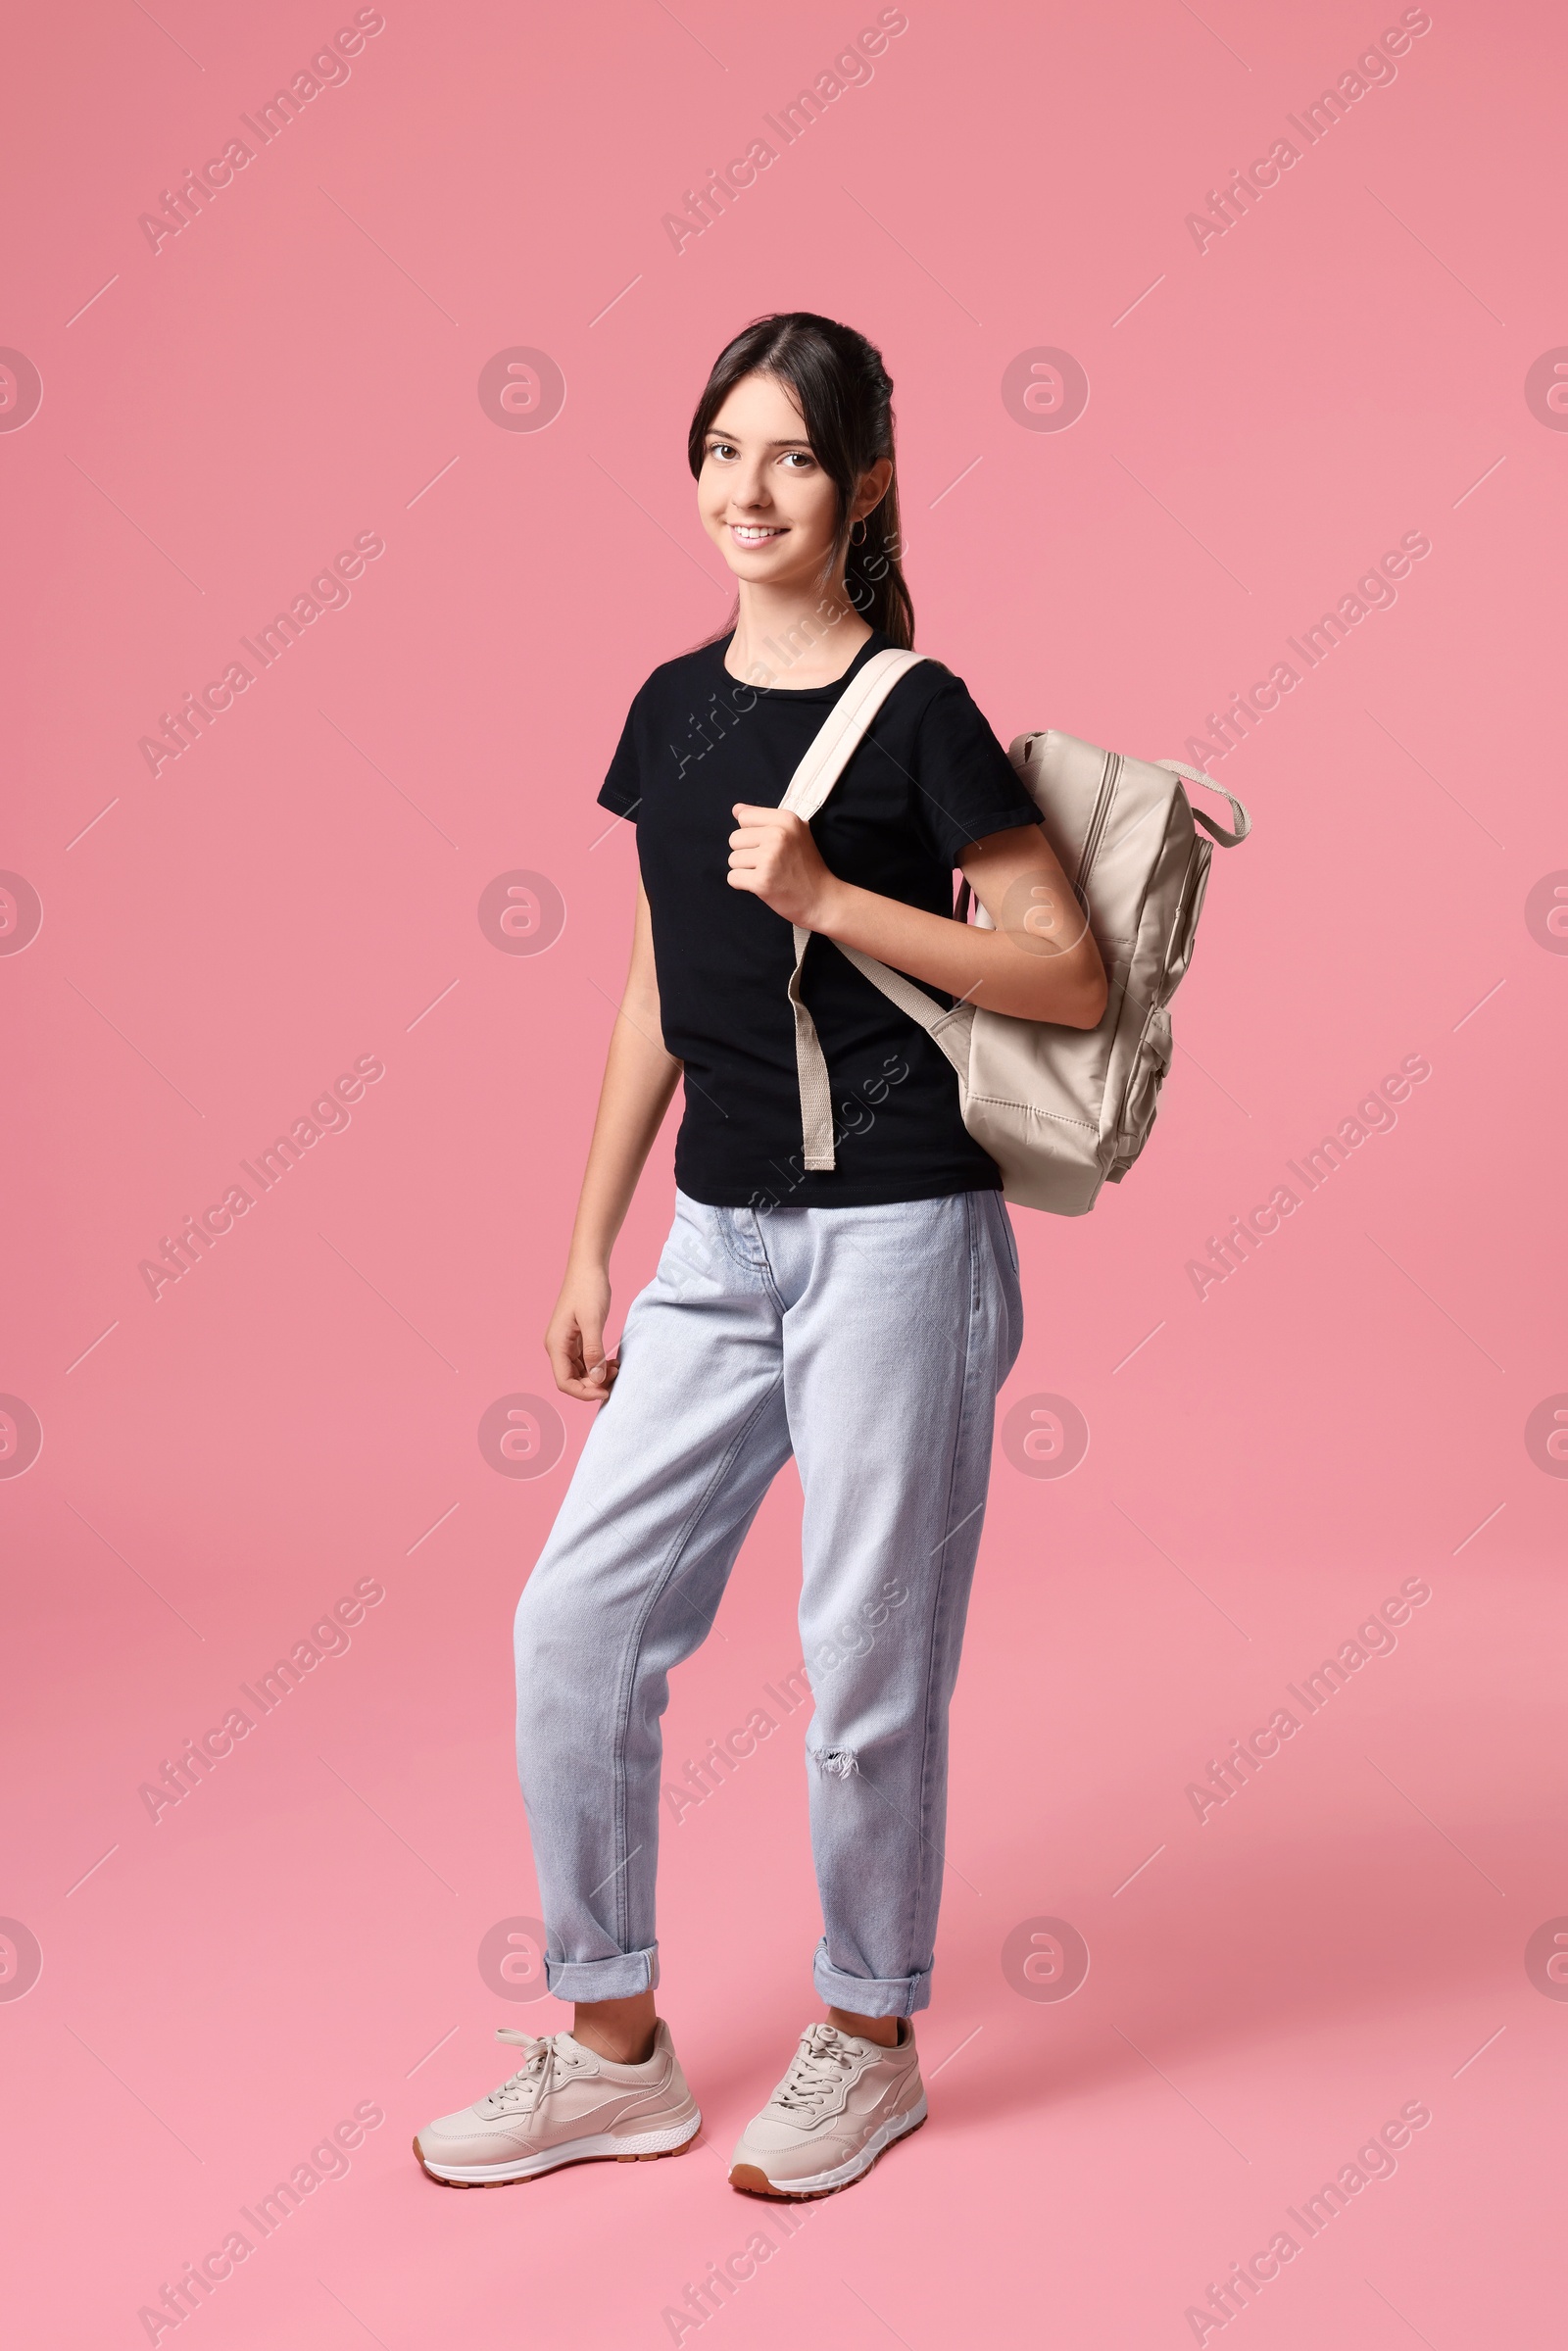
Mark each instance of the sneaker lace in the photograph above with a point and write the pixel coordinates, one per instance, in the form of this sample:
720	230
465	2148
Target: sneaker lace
818	2068
534	2079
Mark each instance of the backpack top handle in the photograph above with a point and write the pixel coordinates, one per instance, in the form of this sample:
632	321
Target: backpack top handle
1195	775
1243	825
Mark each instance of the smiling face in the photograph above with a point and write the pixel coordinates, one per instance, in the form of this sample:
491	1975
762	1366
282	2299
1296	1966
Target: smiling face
762	496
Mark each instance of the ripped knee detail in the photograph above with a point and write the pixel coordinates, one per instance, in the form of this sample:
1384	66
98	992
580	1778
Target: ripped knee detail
836	1763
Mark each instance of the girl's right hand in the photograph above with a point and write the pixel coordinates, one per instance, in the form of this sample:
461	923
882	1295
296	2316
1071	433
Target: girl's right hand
575	1338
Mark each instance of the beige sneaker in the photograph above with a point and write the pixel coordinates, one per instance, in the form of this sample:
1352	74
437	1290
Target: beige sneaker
564	2104
842	2104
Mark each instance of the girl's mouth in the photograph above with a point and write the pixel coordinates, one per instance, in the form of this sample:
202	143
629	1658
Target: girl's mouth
755	534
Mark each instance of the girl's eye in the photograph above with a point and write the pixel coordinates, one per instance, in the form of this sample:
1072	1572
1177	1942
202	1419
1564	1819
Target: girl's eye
722	449
798	457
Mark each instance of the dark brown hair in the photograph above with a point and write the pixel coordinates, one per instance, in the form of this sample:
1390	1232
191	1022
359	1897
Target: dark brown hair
845	395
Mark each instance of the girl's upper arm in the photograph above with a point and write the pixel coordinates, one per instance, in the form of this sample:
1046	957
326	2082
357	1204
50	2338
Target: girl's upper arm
642	975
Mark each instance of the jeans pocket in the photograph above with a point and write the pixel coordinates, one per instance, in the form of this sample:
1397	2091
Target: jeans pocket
691	1259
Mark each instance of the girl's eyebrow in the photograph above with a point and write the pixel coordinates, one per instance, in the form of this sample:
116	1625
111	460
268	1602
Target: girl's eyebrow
713	435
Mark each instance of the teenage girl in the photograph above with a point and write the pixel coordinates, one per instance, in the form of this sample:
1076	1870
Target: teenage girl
861	1319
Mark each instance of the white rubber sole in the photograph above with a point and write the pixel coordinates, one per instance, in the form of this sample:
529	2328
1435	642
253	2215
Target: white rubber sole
823	2184
599	2146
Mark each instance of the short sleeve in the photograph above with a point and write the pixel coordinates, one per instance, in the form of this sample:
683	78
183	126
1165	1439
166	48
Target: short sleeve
621	791
966	785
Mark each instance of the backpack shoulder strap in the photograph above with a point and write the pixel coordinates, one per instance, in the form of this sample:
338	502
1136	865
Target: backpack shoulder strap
947	1026
844	729
837	740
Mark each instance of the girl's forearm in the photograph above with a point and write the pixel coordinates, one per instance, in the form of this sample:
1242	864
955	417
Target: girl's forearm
640	1078
981	967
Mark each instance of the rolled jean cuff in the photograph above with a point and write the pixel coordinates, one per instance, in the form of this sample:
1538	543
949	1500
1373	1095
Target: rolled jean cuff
869	1995
618	1978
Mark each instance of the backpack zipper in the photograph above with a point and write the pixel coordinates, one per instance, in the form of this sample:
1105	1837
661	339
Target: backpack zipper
1097	823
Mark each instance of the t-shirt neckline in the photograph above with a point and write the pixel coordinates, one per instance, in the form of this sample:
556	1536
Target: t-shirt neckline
798	693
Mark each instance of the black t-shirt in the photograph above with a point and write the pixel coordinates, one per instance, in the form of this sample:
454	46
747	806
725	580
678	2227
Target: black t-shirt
929	778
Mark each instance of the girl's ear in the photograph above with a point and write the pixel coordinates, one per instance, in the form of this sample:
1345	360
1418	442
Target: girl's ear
874	488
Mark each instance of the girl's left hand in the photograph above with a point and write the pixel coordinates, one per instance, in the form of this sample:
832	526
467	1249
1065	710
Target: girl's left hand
772	855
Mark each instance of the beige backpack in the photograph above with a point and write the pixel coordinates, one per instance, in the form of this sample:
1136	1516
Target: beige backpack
1059	1110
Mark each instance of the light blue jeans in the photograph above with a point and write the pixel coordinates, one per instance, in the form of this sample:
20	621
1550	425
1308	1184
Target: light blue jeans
871	1344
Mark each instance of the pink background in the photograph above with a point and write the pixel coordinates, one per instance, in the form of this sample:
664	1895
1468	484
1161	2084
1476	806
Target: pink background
300	1934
